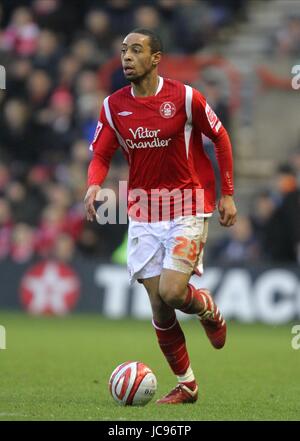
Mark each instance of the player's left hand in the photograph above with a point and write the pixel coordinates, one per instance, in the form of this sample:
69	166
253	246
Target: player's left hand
227	210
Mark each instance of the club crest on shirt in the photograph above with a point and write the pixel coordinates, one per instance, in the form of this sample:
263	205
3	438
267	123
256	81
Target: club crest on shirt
167	109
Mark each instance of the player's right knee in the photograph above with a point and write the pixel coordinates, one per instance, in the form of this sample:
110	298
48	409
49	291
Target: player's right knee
172	295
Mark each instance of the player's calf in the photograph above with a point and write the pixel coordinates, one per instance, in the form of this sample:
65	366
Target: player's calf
200	302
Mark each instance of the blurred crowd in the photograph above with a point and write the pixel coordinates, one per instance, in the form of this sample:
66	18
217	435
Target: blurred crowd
286	40
55	53
270	231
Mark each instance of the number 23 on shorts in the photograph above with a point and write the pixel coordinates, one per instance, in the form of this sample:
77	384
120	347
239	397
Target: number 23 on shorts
185	248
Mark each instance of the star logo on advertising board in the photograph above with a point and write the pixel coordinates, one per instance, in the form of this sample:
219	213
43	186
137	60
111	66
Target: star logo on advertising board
49	288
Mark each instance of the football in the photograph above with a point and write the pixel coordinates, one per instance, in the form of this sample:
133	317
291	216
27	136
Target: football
132	384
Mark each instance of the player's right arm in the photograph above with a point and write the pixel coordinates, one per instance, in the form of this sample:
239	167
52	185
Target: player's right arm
104	145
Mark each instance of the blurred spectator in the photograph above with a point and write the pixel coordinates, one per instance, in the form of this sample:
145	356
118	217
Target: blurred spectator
148	17
100	241
239	247
283	229
294	161
38	87
260	216
63	248
86	52
53	222
60	121
19	136
48	52
58	195
59	15
80	154
99	29
285	182
22	243
22	34
167	9
5	176
6	226
87	90
68	69
19	72
89	242
192	25
26	202
287	39
120	12
73	173
16	195
225	12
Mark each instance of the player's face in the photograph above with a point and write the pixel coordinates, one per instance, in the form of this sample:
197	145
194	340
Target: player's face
137	59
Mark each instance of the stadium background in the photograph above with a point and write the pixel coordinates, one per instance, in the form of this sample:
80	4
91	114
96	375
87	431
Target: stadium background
61	60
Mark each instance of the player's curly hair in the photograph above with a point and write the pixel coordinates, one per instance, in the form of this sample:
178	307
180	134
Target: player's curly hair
155	41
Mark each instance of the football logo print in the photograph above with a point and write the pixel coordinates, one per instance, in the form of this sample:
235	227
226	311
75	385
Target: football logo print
167	109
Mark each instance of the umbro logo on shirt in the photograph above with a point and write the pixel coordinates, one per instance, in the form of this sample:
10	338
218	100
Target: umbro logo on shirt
125	113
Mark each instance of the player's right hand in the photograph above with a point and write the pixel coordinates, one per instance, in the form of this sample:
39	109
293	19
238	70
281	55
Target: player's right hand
89	202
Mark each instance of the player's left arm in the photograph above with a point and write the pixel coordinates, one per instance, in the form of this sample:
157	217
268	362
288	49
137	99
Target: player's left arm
212	127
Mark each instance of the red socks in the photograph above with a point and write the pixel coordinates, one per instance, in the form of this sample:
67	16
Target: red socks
194	302
172	343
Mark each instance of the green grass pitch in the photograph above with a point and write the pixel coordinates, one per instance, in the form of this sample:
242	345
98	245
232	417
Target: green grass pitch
58	369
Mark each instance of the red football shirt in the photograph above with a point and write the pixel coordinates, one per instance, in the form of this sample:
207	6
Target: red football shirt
161	137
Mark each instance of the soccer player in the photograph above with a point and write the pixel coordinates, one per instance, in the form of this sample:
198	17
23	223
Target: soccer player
158	123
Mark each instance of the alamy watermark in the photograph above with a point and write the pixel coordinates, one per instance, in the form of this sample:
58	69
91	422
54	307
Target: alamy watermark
147	206
296	78
296	339
2	77
2	337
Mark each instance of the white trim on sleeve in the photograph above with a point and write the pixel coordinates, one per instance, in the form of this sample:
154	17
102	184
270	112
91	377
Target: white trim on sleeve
110	122
189	119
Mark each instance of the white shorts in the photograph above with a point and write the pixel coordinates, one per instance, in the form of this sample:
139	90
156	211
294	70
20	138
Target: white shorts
177	244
